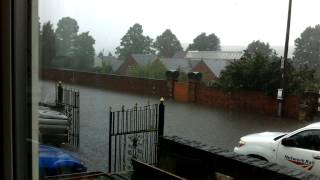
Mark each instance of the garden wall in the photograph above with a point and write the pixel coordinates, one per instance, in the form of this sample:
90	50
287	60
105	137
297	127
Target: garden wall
240	100
111	82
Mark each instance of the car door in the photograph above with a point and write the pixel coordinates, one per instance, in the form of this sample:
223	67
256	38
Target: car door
303	151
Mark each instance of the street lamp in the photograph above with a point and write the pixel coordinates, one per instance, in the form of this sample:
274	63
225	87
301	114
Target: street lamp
283	63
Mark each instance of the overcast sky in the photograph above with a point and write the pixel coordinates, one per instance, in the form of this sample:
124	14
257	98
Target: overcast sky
235	22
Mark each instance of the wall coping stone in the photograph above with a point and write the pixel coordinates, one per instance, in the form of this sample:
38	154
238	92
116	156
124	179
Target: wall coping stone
256	163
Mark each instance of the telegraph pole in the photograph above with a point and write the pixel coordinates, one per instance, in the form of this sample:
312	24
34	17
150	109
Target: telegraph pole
283	63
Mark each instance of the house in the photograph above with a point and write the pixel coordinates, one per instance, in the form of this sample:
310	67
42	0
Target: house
108	60
179	64
180	54
136	60
226	55
211	69
211	63
114	63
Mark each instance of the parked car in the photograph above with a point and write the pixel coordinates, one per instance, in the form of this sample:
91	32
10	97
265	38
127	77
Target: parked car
56	161
299	149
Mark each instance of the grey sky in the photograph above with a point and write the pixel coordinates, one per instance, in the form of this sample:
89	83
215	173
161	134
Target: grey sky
235	22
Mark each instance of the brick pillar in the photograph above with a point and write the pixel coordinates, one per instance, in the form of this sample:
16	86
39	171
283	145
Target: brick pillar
194	79
172	78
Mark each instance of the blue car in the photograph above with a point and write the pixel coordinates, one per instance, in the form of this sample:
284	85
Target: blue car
55	161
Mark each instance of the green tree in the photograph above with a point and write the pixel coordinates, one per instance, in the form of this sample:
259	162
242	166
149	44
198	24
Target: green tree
84	51
154	70
258	47
261	72
183	76
106	68
100	55
48	48
307	48
134	42
167	44
66	33
205	43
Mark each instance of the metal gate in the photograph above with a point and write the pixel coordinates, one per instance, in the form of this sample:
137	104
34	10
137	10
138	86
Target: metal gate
69	101
133	134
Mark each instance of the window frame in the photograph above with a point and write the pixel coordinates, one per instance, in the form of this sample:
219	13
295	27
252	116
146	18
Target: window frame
6	110
17	52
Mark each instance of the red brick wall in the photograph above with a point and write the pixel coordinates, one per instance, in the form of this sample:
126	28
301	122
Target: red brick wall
245	101
181	92
291	107
112	82
208	75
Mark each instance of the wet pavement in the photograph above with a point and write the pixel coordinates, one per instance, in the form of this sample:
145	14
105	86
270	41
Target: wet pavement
208	125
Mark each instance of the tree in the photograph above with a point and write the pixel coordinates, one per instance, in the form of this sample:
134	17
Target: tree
261	72
84	51
154	70
205	43
48	49
100	55
307	48
66	33
167	44
258	47
134	42
106	68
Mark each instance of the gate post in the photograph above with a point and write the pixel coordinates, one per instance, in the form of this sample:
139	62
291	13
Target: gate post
59	94
172	77
160	128
194	79
161	117
110	138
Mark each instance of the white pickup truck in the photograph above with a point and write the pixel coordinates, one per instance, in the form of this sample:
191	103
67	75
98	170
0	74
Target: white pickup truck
299	149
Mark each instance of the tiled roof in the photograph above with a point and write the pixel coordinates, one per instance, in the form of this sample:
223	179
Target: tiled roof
144	59
181	64
180	54
228	55
216	65
115	63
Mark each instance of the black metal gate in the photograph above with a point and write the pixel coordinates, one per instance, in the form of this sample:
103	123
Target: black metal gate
133	134
69	100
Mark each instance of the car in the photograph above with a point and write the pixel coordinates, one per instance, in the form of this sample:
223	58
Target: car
299	149
56	161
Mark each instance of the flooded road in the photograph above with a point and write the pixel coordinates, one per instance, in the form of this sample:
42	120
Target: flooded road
208	125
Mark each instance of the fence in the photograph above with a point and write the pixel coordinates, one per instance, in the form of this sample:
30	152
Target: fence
68	100
133	134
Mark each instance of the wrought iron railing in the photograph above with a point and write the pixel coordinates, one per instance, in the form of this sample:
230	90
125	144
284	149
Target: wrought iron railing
133	134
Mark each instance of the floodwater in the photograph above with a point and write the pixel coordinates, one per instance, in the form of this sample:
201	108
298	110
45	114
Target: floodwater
212	126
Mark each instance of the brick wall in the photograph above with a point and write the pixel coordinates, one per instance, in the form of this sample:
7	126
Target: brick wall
240	100
246	101
291	107
181	92
111	82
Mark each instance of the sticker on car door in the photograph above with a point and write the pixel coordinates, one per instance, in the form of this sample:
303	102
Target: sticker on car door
306	164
